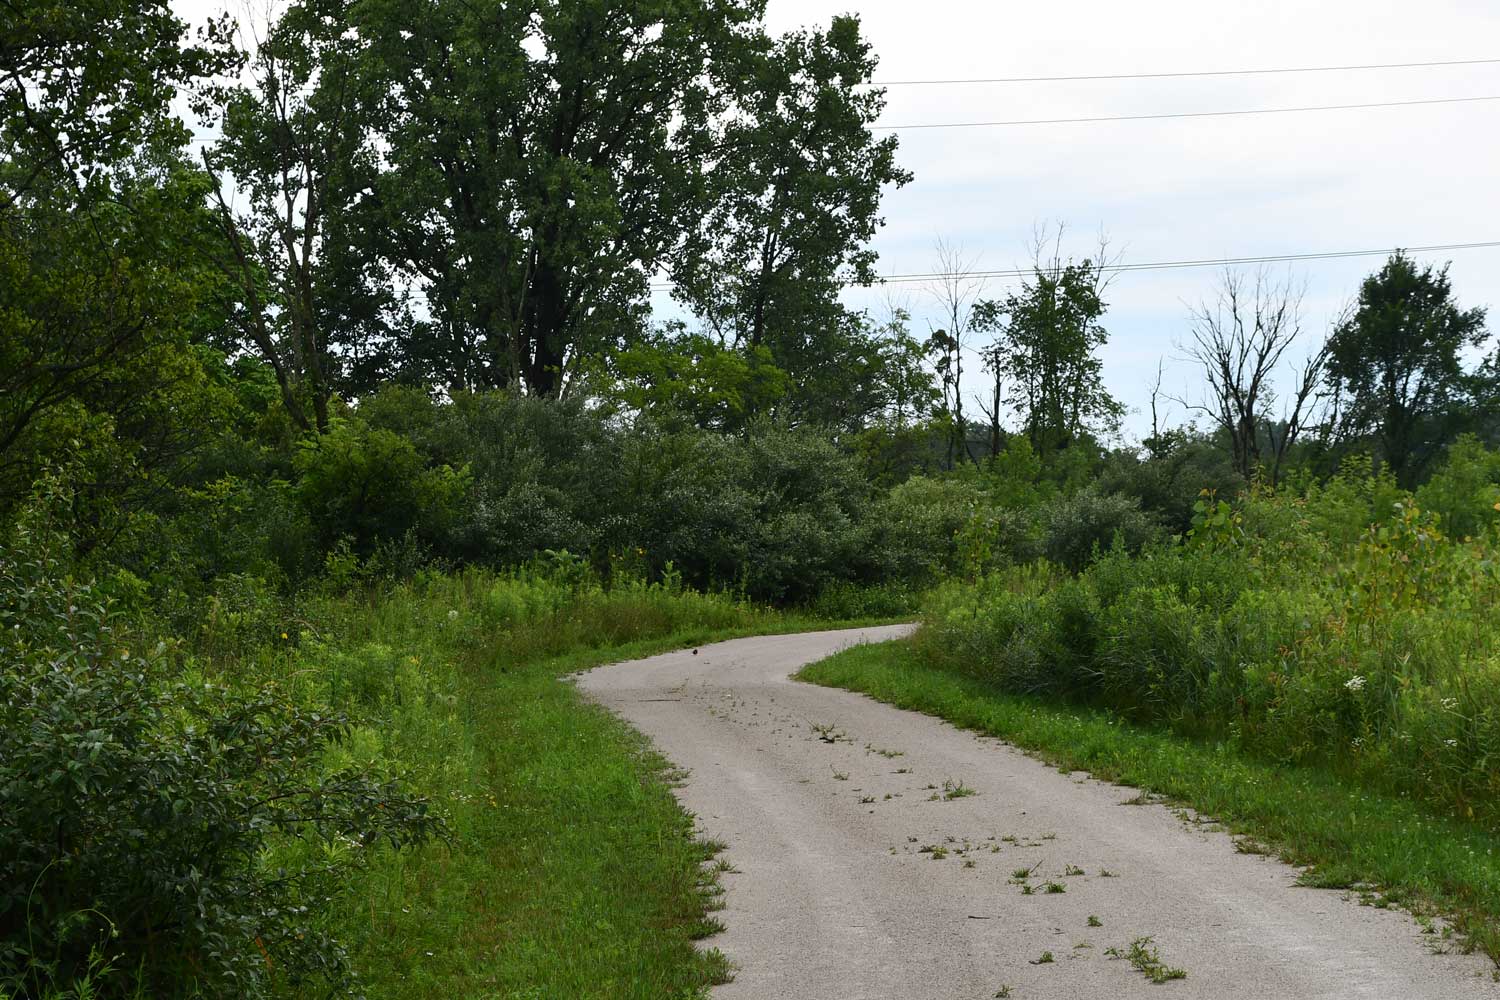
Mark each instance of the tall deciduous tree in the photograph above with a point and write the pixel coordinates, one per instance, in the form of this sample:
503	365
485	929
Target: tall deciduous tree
87	83
1396	364
298	156
1048	338
543	158
794	188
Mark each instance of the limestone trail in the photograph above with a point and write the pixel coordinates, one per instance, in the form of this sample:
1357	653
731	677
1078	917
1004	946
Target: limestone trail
880	853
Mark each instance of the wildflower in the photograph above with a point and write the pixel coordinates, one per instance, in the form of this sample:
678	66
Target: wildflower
1357	742
1451	744
283	635
1450	703
453	616
1355	683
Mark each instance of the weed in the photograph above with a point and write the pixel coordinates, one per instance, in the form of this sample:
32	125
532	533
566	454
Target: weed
951	790
1072	870
1002	993
1045	959
828	733
1054	887
1145	958
1095	921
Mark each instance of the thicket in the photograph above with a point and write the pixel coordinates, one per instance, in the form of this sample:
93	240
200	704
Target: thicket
217	815
1345	621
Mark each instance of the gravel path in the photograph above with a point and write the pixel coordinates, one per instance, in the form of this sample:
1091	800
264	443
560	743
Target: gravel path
839	895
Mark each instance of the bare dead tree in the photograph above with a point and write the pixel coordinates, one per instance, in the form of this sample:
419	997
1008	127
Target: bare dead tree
991	407
956	289
1240	341
1156	444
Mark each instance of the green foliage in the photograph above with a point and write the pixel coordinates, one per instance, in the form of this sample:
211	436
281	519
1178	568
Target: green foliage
1465	489
183	832
1341	625
1091	521
542	163
370	484
1397	361
1049	335
88	82
794	196
780	514
105	291
696	380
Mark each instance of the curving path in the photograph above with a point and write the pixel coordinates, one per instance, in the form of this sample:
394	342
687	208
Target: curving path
834	898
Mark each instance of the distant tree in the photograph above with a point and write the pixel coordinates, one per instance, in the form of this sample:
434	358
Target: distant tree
1395	364
856	373
693	379
1239	342
1047	340
956	289
794	193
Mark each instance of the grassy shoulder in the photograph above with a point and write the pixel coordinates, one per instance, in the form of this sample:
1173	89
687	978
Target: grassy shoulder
569	869
1347	836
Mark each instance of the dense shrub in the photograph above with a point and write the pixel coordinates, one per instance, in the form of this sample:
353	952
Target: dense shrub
1089	522
180	831
1166	483
1465	490
369	485
1273	627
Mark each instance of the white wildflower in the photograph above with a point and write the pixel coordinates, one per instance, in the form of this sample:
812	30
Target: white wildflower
1451	744
1355	683
1450	703
453	616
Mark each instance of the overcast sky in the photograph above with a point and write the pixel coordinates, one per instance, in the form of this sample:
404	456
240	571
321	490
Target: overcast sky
1189	188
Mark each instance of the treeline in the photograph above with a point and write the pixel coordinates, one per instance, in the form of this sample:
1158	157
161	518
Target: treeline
398	209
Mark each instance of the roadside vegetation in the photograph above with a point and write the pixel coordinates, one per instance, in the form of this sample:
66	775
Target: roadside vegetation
336	429
1314	666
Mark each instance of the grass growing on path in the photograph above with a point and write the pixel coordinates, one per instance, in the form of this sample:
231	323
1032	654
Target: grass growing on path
1347	835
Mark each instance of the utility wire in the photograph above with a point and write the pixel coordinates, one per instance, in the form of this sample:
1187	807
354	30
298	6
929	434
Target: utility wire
1167	265
1187	114
1170	76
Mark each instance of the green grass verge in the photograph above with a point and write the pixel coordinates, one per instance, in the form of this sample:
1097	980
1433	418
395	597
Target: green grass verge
1347	836
570	870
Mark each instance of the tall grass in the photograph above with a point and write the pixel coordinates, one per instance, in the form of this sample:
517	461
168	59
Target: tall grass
1339	625
569	869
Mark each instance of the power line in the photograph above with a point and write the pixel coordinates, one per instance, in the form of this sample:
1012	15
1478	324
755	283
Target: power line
1187	114
1179	75
1169	265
